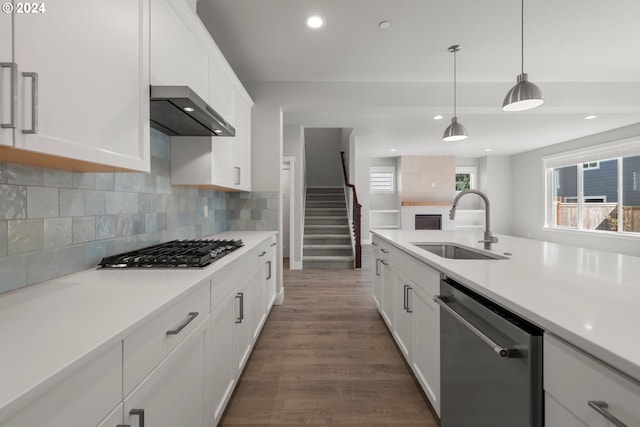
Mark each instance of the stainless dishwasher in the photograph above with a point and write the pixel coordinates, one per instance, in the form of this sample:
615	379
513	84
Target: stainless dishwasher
491	363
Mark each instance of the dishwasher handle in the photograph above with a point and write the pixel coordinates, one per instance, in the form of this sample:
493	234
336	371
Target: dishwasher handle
501	351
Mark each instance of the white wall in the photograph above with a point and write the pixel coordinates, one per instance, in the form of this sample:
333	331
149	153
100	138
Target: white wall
322	151
293	146
496	182
528	197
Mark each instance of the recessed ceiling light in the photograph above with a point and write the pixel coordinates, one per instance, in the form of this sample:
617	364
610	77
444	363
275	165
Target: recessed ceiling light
384	25
590	117
314	21
188	109
438	117
393	149
487	150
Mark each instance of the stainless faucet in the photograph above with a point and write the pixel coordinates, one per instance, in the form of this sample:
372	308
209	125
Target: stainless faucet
488	238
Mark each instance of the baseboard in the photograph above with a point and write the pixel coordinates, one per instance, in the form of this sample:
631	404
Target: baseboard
295	265
279	297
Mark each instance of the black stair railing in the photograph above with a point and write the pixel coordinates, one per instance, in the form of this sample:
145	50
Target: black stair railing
356	215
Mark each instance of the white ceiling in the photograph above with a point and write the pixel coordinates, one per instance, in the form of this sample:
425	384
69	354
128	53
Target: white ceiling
583	54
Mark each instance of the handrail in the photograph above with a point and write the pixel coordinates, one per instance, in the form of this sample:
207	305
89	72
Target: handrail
356	216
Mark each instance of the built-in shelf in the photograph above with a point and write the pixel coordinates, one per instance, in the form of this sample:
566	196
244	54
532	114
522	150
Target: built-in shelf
469	218
384	218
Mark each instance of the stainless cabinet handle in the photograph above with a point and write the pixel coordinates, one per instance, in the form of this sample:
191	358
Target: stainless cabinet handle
501	351
237	175
262	253
123	425
407	308
34	102
192	315
374	243
378	265
601	407
140	414
269	276
273	244
13	74
404	302
384	262
384	251
240	297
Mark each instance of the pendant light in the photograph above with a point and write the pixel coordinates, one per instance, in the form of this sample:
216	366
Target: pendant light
524	95
455	131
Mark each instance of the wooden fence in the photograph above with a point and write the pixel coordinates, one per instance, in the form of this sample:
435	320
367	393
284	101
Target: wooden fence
599	216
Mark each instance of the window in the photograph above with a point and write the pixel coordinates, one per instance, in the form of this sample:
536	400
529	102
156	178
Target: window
465	177
595	189
382	179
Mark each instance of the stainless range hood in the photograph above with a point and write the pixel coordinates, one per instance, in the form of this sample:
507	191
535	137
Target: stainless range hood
177	110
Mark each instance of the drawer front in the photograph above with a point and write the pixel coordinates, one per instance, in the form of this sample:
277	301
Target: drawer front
149	344
84	398
574	379
424	276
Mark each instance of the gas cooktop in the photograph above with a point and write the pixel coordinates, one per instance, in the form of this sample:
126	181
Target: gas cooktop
174	254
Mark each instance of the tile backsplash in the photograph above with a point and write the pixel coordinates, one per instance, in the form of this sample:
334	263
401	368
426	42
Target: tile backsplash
55	222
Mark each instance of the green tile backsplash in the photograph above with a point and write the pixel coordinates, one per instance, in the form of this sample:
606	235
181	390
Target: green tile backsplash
55	222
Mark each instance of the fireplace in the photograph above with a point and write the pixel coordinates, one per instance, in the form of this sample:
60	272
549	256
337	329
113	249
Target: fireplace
428	222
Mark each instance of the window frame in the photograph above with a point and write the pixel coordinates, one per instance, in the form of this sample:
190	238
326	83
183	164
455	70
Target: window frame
617	150
391	170
472	171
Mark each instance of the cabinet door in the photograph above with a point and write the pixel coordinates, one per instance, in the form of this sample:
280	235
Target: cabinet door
426	345
271	274
242	145
241	328
257	312
223	372
6	133
402	320
173	393
387	292
221	91
91	92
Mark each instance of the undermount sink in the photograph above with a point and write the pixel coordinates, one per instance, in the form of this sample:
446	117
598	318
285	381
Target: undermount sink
454	251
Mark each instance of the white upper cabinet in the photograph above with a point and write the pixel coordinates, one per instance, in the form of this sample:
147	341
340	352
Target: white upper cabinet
6	132
242	144
82	85
179	54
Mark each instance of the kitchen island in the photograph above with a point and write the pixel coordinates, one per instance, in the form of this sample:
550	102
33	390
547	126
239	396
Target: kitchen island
585	300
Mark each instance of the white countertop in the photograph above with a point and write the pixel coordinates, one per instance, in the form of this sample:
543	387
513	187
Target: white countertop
587	297
46	327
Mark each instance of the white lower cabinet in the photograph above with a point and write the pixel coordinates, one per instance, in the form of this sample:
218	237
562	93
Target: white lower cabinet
402	313
426	344
224	369
173	394
403	290
576	385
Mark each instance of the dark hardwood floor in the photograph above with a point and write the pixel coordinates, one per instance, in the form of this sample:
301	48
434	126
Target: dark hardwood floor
325	357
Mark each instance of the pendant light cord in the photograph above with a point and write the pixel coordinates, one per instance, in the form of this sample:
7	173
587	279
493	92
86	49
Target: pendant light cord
454	82
522	37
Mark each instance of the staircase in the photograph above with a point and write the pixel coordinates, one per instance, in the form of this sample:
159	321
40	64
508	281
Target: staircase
327	239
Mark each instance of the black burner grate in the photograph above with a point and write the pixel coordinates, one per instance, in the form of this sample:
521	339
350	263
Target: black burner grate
174	254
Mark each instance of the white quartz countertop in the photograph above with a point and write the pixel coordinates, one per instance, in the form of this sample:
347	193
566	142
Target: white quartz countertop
587	297
46	327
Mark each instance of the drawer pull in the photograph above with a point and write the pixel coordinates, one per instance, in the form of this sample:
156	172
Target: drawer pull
140	414
601	408
240	298
273	244
384	262
374	243
384	251
183	325
34	102
263	253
